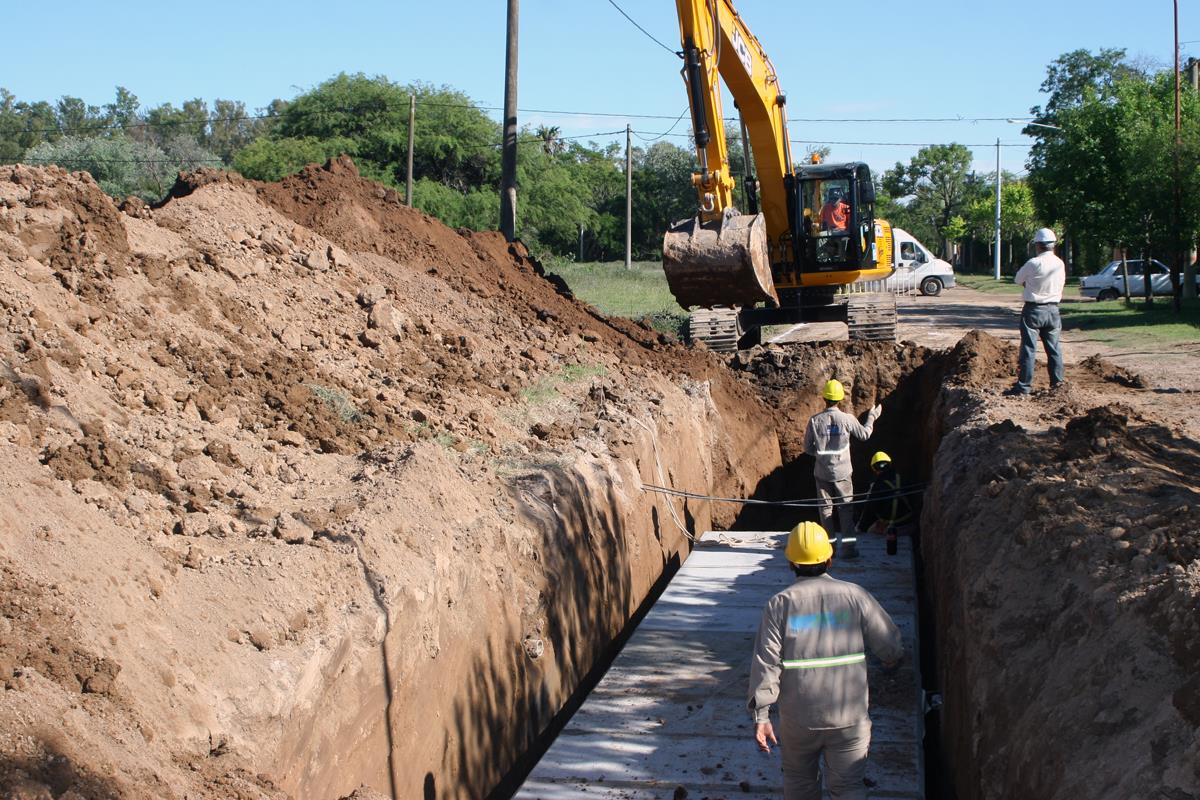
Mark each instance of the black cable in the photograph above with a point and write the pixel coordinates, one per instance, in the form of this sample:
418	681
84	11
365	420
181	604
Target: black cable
643	30
667	131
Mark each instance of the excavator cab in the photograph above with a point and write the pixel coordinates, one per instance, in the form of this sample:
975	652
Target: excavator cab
832	208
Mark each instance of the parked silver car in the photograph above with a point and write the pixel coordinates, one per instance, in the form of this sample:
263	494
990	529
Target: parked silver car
1109	283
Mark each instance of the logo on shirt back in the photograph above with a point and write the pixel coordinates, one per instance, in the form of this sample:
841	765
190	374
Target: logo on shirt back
822	619
834	433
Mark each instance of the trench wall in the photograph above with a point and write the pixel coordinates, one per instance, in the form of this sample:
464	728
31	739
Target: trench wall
485	650
1061	566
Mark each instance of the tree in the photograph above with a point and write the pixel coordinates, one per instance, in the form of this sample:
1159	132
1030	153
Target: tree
552	143
938	183
1018	219
455	142
662	194
269	159
121	166
123	110
1107	172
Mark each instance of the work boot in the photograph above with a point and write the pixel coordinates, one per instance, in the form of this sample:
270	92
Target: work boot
1016	391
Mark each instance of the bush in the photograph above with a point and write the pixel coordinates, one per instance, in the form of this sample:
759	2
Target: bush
271	159
121	166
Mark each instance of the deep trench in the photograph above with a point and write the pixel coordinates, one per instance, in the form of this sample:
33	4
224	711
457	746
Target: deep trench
910	433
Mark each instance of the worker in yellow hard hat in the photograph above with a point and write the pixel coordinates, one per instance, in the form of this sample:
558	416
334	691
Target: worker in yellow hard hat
827	440
891	507
810	658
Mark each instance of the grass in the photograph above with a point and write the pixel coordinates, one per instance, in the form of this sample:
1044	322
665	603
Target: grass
640	291
1132	324
546	389
338	403
989	285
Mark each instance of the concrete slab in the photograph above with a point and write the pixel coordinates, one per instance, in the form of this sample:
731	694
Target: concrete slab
671	711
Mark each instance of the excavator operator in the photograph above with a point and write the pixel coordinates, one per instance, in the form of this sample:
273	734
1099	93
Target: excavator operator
835	213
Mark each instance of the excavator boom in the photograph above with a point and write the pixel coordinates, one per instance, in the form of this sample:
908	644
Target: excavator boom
721	257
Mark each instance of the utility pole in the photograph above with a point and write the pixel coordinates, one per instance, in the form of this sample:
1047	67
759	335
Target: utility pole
1177	269
508	159
996	255
412	118
628	196
1189	268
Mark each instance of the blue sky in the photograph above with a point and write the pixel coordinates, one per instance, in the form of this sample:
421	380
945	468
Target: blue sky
922	58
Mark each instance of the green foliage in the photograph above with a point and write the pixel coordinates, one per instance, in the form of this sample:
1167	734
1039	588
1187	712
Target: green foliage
121	166
455	143
477	209
269	159
940	185
338	402
1107	173
662	194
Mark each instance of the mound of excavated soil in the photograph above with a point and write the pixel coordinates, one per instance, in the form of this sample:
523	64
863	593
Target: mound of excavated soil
1064	566
306	493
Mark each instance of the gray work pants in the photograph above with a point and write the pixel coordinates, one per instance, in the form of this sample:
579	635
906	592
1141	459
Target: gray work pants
835	493
1039	321
845	755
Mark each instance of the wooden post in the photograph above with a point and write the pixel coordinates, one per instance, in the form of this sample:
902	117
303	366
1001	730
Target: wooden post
508	159
628	196
1189	268
412	119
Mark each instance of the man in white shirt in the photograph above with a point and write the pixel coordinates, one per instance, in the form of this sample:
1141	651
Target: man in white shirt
1043	277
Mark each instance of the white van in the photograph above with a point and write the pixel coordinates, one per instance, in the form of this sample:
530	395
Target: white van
916	268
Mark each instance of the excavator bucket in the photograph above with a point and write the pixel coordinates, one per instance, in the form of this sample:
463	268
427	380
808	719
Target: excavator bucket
721	263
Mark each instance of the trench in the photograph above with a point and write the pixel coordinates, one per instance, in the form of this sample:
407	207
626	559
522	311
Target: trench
912	405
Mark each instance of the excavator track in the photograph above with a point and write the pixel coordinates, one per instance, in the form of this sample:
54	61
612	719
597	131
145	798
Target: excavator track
719	328
872	316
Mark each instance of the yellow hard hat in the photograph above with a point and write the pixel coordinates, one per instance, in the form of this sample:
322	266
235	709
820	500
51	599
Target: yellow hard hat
808	543
833	390
880	458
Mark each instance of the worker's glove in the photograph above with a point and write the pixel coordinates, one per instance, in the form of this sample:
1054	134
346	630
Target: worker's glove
875	412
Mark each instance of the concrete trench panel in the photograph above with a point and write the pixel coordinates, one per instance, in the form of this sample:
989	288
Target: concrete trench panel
671	709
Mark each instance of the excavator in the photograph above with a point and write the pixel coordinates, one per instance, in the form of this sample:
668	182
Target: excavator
807	248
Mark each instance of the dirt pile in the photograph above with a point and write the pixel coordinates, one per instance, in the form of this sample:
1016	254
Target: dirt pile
1063	556
338	498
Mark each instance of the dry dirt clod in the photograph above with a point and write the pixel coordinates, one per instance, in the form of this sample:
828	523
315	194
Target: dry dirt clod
292	529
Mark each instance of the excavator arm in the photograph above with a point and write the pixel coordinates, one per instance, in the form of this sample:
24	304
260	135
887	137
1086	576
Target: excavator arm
717	46
721	257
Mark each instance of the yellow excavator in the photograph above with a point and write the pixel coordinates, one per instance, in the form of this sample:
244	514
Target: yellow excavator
808	247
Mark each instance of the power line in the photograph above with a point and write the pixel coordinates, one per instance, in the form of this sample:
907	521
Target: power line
667	132
110	126
643	30
84	160
878	144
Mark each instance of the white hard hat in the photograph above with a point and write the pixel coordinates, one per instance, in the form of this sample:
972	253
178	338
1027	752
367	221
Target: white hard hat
1045	236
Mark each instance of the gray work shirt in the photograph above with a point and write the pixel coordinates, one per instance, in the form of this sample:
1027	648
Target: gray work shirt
810	656
827	439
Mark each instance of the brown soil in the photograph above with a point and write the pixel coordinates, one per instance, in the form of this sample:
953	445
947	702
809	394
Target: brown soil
307	494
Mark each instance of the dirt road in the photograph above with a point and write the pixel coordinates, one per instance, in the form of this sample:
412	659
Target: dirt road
1169	370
